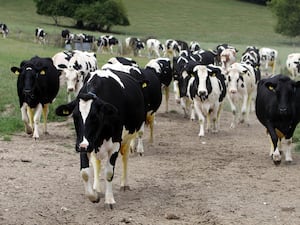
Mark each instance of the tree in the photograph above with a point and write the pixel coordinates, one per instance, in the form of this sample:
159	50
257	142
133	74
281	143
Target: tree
94	14
288	17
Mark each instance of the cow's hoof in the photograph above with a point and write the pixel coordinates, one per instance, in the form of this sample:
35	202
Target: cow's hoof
277	162
109	206
125	188
94	198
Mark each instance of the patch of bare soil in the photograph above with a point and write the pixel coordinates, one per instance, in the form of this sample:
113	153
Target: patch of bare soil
226	178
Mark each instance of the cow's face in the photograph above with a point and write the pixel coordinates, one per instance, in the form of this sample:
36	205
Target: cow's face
28	77
235	81
284	90
73	79
201	78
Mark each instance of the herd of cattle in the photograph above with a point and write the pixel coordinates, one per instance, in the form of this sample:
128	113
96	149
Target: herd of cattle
111	104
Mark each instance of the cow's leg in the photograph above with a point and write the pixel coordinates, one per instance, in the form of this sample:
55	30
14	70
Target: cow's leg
176	91
275	151
244	108
25	119
201	118
288	152
140	146
36	120
193	117
167	94
234	112
87	177
96	163
45	117
124	151
150	121
109	173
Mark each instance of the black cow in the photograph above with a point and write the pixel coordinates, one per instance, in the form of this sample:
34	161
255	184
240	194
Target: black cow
278	109
4	29
182	45
107	42
107	113
40	35
37	85
67	36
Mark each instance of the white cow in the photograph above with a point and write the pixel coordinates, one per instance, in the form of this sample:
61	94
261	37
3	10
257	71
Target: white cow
154	47
227	57
240	90
268	58
292	64
207	90
77	69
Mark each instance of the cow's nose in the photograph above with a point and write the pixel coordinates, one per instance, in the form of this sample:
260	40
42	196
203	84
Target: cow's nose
26	91
70	89
83	145
282	110
202	93
233	91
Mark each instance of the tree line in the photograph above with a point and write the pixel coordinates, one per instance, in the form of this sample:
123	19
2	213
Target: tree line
102	15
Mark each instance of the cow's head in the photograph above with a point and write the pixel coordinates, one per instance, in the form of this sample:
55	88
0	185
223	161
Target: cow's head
28	77
285	90
235	80
202	81
163	68
91	115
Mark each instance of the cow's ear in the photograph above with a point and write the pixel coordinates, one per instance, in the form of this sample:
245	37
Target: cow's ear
15	70
271	86
65	110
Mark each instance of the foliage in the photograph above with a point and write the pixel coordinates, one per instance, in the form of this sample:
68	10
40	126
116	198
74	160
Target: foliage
288	17
260	2
96	14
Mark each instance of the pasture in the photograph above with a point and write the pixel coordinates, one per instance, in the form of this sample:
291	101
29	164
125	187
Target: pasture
226	178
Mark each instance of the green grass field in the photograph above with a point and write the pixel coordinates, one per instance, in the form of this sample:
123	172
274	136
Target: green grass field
208	22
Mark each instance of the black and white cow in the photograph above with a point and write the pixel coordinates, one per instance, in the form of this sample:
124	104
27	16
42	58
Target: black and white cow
182	45
80	64
61	59
134	45
40	35
278	109
182	72
251	56
158	74
106	43
171	48
4	29
37	86
207	90
268	57
194	46
107	113
67	36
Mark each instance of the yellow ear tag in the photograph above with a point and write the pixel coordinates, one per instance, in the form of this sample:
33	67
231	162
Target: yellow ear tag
144	85
214	74
42	72
66	112
271	88
17	72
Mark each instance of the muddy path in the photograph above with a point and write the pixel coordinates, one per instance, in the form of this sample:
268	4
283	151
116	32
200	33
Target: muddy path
225	178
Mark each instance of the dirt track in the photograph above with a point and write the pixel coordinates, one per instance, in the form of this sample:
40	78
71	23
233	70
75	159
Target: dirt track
225	178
